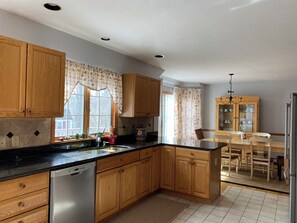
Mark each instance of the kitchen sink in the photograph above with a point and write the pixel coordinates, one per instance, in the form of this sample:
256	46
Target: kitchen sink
116	148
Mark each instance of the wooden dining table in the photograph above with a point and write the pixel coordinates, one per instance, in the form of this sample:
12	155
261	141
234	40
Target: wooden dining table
244	144
277	148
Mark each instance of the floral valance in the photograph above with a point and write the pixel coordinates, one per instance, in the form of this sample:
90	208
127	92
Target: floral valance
94	78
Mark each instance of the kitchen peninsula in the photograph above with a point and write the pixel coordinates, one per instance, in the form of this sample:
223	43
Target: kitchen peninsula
189	167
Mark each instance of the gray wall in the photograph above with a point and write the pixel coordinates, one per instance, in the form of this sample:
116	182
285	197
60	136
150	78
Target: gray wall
76	49
273	96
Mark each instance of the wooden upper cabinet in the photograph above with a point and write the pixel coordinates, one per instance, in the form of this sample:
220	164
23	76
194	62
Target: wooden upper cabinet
12	77
154	97
31	80
141	96
45	82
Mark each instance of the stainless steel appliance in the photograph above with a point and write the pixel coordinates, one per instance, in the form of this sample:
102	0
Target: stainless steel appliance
290	152
72	196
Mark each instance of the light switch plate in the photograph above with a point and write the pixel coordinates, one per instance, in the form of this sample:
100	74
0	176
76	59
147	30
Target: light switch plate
2	142
15	142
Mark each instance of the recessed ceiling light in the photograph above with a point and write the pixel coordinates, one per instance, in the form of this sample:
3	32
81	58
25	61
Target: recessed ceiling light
159	56
52	6
105	38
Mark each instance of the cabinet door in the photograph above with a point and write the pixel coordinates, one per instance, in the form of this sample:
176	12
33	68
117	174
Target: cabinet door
129	183
107	193
183	175
167	167
45	82
141	96
145	177
247	117
154	98
226	117
156	165
200	178
12	77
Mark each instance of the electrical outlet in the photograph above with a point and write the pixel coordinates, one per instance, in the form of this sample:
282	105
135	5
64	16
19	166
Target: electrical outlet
2	142
15	142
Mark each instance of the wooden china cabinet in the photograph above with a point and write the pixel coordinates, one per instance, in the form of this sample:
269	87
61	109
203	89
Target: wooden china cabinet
243	116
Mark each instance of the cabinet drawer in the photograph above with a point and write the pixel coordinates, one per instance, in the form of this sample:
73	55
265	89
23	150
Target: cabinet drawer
23	185
24	203
39	215
192	153
117	160
145	153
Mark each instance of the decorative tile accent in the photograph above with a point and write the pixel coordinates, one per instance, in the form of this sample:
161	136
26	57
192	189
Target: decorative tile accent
24	127
127	126
10	135
36	133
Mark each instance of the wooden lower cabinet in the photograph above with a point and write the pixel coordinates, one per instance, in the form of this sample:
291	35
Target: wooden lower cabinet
128	186
156	165
167	167
183	176
25	199
192	177
107	193
115	189
39	215
145	177
200	178
198	173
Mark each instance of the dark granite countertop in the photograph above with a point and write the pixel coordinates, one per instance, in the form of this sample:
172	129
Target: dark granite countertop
21	162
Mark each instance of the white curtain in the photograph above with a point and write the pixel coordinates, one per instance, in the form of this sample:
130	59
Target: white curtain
94	78
187	109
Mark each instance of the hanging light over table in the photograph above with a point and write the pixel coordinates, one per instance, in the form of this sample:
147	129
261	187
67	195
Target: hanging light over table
231	99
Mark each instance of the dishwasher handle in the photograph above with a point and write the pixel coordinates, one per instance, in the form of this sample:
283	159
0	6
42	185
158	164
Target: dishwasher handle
72	171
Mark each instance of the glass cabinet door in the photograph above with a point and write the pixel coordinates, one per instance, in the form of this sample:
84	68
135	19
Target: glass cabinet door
226	120
246	117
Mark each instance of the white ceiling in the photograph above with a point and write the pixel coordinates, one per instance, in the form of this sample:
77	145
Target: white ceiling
202	40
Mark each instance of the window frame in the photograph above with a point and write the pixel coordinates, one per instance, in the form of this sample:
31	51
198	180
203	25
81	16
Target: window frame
86	120
162	121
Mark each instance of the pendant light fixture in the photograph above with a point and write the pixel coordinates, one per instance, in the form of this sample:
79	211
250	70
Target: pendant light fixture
231	99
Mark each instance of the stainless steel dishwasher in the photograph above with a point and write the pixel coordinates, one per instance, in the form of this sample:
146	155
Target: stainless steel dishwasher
72	198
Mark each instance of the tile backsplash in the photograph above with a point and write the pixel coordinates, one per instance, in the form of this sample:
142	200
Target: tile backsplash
31	131
37	131
128	126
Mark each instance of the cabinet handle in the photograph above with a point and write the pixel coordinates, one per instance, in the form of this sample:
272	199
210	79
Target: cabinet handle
21	204
192	154
22	185
21	221
24	111
123	170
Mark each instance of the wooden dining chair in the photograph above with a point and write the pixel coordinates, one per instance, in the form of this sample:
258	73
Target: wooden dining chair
237	136
226	156
199	134
261	155
255	134
261	134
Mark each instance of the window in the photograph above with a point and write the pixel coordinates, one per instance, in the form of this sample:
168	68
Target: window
167	115
73	120
86	111
100	111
